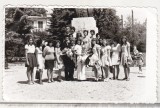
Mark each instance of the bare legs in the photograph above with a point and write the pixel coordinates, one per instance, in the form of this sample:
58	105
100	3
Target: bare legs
106	72
50	75
126	72
40	79
115	71
30	75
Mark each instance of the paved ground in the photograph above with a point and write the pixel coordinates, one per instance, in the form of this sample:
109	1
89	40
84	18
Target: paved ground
16	89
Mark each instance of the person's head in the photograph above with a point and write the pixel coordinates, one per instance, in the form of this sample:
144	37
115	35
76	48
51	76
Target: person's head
67	39
73	30
134	47
58	43
85	32
39	43
115	40
100	41
124	40
78	34
92	32
104	42
97	36
30	40
68	29
79	42
46	43
93	41
43	42
72	41
50	43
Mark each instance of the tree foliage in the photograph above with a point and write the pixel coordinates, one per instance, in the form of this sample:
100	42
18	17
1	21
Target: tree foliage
137	35
17	28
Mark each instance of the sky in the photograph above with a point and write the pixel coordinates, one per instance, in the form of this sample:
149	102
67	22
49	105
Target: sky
140	14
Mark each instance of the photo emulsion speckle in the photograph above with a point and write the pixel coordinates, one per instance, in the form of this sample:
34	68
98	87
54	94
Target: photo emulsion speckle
75	55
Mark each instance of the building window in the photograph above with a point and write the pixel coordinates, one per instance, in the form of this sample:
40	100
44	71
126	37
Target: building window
40	24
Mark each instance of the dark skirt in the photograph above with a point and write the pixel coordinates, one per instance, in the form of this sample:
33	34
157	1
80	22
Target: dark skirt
49	64
32	60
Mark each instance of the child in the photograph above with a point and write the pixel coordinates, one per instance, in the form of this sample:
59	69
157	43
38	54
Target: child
140	62
59	62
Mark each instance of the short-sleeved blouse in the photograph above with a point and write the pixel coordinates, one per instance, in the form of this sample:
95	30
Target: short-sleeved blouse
49	53
30	48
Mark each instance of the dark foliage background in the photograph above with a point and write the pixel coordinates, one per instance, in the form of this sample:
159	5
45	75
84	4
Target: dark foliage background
17	27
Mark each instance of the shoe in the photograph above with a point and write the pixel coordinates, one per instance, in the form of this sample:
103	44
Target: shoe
41	82
32	82
52	80
29	82
124	78
127	79
49	81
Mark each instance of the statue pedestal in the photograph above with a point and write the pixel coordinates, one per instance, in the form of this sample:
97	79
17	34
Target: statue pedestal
84	23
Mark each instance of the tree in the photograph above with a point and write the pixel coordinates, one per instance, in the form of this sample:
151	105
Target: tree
138	36
60	19
17	28
108	22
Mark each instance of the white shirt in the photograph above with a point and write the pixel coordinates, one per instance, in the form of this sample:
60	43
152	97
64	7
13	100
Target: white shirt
30	48
78	49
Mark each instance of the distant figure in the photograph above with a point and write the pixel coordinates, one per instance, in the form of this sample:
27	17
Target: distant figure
135	55
140	62
31	61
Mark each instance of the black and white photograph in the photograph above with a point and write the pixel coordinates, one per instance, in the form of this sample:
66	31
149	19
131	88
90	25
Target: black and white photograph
69	54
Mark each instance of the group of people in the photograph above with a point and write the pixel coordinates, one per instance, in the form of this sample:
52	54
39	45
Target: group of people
77	52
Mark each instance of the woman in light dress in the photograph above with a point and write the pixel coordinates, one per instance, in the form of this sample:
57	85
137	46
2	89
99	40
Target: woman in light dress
59	62
115	57
94	59
80	61
49	55
125	57
40	59
105	59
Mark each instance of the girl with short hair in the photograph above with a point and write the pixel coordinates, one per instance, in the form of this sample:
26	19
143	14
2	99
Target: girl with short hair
31	61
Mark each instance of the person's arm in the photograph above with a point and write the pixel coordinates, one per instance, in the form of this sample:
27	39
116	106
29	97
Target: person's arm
26	55
120	52
36	52
109	53
44	52
128	49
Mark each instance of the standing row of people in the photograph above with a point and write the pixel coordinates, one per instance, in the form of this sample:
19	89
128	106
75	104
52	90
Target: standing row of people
76	52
